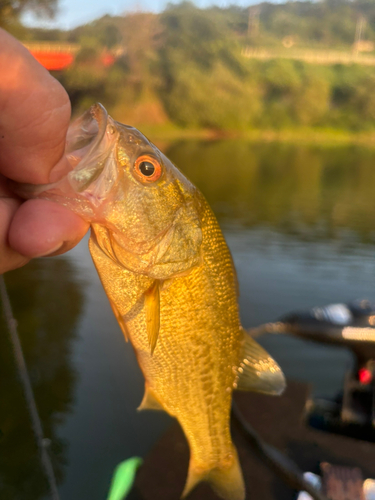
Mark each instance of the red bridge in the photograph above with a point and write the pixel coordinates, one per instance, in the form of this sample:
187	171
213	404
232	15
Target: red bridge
56	56
53	56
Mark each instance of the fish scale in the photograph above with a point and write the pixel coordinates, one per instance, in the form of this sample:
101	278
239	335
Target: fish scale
192	334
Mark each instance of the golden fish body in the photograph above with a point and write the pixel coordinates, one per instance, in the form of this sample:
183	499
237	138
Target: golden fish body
194	366
170	279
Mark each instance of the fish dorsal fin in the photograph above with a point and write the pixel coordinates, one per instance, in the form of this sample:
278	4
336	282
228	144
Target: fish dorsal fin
152	303
258	371
149	401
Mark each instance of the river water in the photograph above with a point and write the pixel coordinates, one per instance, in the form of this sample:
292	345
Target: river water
300	224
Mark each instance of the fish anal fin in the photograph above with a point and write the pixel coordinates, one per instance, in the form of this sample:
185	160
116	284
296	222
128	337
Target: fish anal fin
120	320
152	304
150	401
226	480
258	371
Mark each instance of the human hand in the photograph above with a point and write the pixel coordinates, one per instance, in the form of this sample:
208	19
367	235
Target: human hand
34	118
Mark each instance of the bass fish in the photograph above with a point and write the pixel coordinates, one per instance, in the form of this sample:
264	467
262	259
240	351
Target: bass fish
170	279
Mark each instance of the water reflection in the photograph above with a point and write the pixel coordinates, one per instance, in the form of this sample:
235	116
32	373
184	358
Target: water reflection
310	191
47	300
298	220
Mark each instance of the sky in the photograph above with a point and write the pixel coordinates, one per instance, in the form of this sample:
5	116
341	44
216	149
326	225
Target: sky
73	13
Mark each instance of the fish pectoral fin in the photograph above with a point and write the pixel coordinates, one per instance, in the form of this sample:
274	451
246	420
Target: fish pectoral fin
150	401
226	481
258	371
152	304
120	320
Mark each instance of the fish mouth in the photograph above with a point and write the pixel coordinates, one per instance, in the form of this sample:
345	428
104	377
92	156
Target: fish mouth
87	147
90	144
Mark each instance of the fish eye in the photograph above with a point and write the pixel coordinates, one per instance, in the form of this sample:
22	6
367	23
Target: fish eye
147	168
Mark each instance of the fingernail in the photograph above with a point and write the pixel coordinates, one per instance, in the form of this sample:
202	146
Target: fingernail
50	252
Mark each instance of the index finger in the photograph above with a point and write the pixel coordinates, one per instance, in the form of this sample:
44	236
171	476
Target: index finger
34	116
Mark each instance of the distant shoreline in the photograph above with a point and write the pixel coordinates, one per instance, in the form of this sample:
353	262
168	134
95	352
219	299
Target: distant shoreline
330	137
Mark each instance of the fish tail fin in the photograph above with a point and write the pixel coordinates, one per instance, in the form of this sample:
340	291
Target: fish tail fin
225	480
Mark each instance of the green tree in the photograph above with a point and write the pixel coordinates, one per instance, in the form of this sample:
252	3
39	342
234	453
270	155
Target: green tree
204	82
10	10
312	99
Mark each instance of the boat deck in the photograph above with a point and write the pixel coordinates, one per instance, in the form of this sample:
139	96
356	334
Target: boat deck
280	422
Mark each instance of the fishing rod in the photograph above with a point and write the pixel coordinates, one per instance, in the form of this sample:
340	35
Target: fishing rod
36	423
333	324
124	474
281	465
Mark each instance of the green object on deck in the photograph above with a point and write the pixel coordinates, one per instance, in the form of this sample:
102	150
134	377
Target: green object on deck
123	478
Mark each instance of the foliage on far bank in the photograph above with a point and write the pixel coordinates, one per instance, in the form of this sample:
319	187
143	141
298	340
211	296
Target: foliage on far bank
185	67
11	10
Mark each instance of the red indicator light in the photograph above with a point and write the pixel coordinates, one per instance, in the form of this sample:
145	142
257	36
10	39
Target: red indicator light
365	376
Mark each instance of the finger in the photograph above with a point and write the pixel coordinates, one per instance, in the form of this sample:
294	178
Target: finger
9	258
5	189
42	227
34	116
